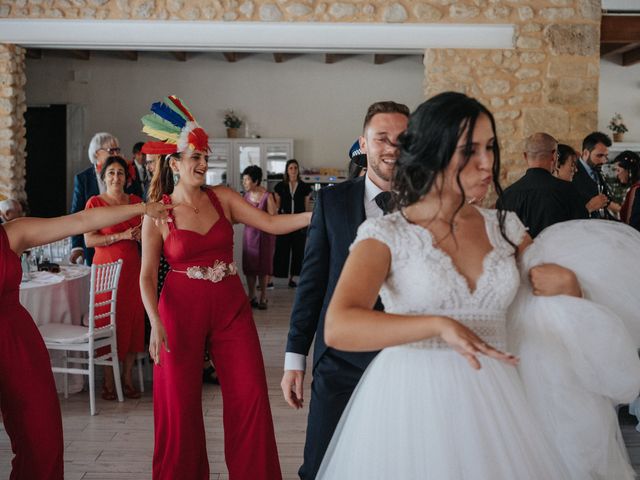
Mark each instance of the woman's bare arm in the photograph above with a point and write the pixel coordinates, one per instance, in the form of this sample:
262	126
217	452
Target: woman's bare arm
352	324
151	250
28	232
240	211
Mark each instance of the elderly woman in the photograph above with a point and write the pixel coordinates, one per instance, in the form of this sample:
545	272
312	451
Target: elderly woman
87	183
628	173
120	241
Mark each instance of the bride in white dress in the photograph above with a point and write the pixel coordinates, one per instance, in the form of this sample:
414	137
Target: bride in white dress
446	272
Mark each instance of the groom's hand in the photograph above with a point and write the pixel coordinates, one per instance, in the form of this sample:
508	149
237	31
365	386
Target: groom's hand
292	387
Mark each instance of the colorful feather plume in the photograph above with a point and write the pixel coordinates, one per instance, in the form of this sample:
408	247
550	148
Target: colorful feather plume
172	122
166	113
178	103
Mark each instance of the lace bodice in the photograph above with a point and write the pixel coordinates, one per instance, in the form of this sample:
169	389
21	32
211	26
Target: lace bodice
424	280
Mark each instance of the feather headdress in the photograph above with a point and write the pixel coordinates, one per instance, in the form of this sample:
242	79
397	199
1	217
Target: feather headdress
171	122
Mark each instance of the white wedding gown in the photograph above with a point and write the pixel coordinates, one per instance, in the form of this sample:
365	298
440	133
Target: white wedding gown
421	412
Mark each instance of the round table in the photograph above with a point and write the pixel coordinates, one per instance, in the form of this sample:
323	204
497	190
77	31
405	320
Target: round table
59	298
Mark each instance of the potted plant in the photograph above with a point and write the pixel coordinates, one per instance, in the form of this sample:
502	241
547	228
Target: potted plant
617	126
232	122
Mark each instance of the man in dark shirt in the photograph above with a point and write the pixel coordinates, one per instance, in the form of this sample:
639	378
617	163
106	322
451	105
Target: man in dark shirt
538	198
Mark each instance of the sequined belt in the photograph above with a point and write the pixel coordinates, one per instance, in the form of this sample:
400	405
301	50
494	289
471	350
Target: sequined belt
214	274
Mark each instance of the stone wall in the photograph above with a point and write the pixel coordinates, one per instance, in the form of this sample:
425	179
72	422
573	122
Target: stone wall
12	130
548	82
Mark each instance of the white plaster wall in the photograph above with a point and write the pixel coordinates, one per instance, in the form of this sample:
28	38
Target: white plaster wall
620	92
320	106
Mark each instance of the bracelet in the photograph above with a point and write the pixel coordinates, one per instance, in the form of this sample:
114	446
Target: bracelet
144	212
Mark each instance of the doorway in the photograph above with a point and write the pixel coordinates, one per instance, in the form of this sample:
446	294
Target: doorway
46	160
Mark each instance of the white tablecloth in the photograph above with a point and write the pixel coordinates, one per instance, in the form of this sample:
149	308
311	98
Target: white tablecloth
58	298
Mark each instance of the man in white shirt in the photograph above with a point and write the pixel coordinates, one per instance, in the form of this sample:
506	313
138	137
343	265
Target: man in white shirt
338	212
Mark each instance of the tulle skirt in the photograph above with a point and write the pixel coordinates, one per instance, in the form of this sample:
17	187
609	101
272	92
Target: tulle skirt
579	356
426	414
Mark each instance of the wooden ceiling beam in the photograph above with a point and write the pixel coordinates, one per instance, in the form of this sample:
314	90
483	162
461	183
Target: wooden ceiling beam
620	29
631	57
131	55
180	56
81	54
335	57
230	57
607	48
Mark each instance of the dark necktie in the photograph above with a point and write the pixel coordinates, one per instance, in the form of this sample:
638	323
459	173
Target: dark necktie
382	200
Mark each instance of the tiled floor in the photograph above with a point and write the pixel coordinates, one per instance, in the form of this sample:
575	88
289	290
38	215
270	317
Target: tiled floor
118	442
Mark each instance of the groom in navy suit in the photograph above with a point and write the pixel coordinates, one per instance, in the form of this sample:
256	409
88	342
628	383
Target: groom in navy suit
338	212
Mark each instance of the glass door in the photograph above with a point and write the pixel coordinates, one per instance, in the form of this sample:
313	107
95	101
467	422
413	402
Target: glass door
218	164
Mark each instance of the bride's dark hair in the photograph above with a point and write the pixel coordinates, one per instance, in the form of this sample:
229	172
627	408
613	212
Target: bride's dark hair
428	145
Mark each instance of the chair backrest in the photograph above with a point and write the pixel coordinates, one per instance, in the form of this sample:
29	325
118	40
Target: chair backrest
104	280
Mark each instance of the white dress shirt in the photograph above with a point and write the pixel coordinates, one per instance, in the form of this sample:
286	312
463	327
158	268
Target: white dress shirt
297	361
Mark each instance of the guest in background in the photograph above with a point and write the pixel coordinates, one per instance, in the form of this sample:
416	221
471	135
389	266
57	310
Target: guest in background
565	163
87	183
628	173
257	246
120	241
30	408
140	165
292	196
10	209
538	198
588	180
357	161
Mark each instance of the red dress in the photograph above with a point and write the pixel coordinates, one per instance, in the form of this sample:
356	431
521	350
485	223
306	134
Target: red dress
216	315
28	398
129	307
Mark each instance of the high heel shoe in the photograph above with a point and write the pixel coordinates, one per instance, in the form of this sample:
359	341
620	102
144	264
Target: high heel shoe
209	376
130	391
108	393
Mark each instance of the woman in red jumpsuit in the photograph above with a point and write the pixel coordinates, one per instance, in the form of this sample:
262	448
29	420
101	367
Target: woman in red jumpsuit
203	303
28	399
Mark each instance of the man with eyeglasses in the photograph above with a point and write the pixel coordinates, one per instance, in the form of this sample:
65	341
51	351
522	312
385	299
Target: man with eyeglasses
589	181
538	198
87	183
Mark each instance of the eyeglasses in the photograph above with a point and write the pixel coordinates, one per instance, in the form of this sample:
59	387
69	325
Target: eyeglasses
111	151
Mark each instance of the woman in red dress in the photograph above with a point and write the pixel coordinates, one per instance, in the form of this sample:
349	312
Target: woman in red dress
28	398
115	242
203	303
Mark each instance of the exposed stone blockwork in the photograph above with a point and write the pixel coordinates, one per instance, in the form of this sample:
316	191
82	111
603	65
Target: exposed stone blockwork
12	130
549	82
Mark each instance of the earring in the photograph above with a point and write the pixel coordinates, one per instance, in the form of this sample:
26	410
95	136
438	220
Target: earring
176	178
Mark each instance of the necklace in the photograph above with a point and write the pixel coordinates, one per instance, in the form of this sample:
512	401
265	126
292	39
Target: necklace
195	209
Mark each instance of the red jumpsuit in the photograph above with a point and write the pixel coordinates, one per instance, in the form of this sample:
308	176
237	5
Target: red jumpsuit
28	398
198	313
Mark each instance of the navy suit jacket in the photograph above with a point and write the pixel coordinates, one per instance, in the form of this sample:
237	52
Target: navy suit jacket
85	186
587	189
338	212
